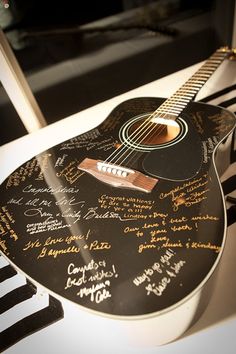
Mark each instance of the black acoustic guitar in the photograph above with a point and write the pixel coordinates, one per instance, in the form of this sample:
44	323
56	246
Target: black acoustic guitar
128	219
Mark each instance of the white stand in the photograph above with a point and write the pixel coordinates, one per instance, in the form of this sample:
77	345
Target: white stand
17	88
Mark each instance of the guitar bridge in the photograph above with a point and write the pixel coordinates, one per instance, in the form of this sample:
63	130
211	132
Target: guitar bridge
118	176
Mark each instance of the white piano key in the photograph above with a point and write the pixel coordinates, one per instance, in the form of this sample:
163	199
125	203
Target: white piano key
12	283
38	302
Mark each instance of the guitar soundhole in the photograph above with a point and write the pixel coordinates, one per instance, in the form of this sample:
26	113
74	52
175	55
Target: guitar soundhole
145	135
157	134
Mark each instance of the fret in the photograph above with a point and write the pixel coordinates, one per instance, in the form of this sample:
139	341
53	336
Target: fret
202	75
175	102
165	112
214	59
214	62
193	85
170	108
203	78
180	104
189	96
203	69
207	71
184	91
209	68
171	111
184	99
202	82
196	79
218	55
176	98
187	89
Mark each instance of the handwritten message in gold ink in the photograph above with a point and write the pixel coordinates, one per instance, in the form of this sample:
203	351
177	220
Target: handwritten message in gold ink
88	142
61	245
127	208
92	280
36	167
80	141
70	172
208	148
223	121
188	193
6	228
30	189
197	119
170	232
110	124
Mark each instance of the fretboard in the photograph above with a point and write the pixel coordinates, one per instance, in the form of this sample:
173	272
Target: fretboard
174	105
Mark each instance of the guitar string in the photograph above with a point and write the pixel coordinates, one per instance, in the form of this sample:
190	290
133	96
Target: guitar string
132	155
133	135
144	127
156	128
214	61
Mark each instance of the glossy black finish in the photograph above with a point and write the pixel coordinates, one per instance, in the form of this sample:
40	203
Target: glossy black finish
177	163
116	251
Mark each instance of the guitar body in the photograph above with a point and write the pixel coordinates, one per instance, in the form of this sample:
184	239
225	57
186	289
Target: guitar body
122	253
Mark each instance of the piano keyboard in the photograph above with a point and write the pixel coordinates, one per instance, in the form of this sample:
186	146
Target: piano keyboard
24	308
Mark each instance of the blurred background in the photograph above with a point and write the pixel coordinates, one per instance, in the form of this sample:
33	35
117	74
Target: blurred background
76	54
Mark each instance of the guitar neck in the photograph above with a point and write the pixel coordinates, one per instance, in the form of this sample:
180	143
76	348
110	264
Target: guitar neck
174	105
